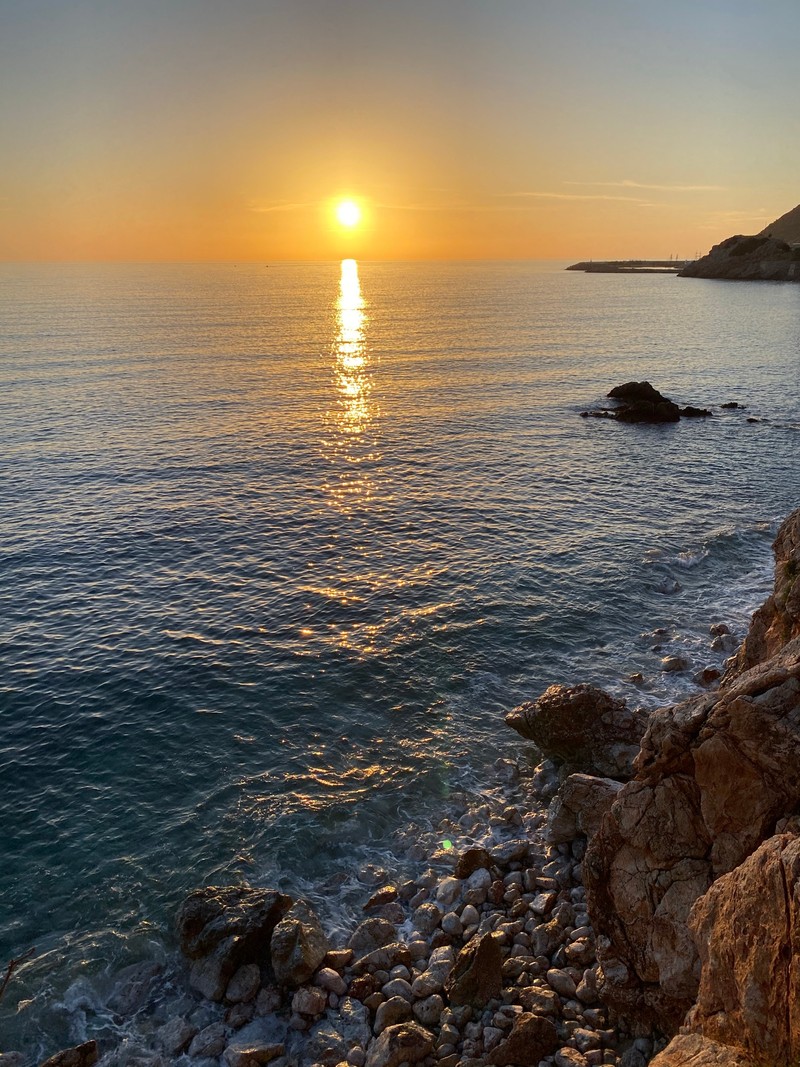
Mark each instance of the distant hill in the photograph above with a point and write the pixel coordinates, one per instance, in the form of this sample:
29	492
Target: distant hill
786	228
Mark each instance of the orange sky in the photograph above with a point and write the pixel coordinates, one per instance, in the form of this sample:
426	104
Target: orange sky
464	129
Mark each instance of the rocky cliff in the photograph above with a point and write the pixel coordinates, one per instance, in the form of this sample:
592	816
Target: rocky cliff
693	877
743	258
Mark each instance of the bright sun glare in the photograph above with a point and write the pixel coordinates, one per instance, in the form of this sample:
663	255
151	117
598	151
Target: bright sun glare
348	213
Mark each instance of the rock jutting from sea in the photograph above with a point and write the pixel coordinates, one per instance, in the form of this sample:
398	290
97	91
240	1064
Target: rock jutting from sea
643	901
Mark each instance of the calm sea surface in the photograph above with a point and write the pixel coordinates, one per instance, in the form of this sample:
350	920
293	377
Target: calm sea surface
279	546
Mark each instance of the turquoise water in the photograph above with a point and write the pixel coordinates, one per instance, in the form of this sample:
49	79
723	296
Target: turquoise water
279	546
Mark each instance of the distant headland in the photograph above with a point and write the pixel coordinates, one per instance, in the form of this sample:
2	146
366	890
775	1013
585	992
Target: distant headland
771	255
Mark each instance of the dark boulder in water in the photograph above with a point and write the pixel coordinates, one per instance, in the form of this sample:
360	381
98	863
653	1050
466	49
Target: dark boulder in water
638	393
690	412
642	402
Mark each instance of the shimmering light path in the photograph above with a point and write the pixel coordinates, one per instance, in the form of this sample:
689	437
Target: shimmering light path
279	546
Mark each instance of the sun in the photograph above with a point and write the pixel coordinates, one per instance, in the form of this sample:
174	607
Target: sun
348	213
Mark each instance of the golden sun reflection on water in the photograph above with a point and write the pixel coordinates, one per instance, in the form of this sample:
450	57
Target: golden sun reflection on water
351	359
349	444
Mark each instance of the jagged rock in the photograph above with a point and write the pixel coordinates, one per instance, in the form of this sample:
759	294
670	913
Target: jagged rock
692	1050
222	928
712	778
579	806
777	621
371	934
213	914
85	1055
747	928
476	976
583	727
532	1038
298	945
403	1043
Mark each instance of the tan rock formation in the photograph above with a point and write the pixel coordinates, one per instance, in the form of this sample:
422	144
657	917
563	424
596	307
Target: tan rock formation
582	727
713	777
747	928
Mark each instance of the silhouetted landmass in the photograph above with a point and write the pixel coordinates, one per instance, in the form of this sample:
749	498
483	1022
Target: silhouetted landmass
772	255
747	259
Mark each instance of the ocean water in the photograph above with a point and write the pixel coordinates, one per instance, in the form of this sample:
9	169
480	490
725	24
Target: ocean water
280	545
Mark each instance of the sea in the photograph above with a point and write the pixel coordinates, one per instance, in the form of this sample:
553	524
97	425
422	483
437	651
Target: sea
280	545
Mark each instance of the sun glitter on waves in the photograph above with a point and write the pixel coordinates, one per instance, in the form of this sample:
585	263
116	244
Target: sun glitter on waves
348	213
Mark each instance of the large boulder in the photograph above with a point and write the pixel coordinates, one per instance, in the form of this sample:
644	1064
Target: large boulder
298	945
222	928
403	1043
214	914
713	777
532	1038
640	402
584	728
477	975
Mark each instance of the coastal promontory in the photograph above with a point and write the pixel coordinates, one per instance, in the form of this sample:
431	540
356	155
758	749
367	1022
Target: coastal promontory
771	255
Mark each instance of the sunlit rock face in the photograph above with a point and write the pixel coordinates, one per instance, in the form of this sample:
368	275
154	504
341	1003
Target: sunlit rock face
713	777
584	728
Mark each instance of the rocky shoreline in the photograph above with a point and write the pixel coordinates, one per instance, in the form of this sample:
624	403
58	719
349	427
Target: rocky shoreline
643	901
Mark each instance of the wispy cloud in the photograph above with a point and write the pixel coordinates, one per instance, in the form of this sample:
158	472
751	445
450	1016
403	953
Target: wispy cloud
281	205
544	195
626	183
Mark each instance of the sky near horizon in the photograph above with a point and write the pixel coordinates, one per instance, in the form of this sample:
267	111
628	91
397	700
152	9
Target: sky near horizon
463	129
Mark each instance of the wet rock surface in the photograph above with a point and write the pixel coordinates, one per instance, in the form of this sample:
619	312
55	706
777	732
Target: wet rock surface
584	728
642	402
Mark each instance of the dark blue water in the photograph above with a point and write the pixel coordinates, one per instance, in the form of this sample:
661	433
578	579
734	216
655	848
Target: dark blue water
280	545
